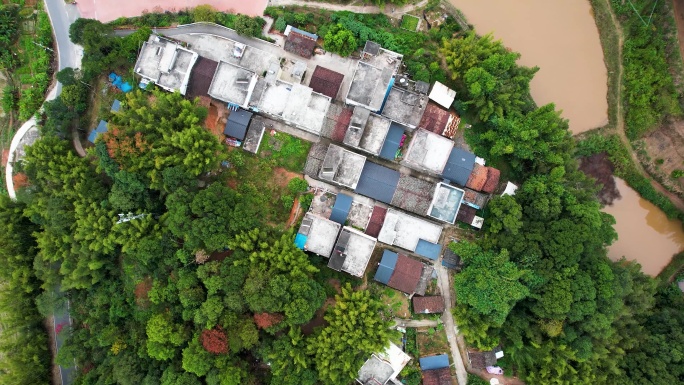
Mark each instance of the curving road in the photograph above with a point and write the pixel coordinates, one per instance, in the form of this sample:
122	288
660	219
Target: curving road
68	55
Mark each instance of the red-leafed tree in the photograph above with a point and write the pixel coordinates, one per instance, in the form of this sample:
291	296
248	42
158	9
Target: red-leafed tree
266	320
215	340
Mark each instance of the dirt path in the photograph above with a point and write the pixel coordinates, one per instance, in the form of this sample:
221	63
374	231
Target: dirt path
77	143
620	123
413	323
449	324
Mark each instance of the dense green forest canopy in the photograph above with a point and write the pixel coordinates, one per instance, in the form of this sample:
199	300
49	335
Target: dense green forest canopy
200	289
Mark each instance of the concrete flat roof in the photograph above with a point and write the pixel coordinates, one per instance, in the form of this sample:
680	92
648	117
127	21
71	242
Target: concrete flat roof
321	234
367	131
342	167
376	367
405	107
403	230
428	151
165	63
233	84
369	86
446	203
352	252
296	104
222	49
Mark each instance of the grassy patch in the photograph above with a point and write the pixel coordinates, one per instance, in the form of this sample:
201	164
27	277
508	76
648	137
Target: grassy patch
675	267
432	341
608	35
397	303
285	151
409	22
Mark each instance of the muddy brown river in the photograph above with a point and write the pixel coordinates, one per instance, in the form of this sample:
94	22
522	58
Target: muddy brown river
645	233
561	38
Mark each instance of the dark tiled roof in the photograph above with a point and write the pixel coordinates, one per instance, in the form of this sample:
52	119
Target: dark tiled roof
480	360
300	44
377	182
326	82
406	274
450	259
492	182
437	377
459	166
434	118
474	198
237	123
200	77
466	214
376	220
432	304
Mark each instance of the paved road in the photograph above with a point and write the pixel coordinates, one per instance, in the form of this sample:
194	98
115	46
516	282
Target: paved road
68	55
449	325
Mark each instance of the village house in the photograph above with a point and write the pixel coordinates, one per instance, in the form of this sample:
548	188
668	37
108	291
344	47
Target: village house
383	367
403	273
436	370
165	63
373	77
428	305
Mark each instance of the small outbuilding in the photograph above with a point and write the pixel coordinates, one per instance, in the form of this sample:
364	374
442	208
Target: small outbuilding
300	42
100	129
326	81
238	121
428	305
442	95
116	106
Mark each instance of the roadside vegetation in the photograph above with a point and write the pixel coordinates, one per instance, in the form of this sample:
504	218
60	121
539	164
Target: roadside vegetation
345	32
242	24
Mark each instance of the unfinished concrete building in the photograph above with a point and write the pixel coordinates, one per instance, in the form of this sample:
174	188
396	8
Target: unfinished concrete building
342	167
373	77
352	252
295	104
165	63
428	151
411	233
317	235
233	84
405	106
367	131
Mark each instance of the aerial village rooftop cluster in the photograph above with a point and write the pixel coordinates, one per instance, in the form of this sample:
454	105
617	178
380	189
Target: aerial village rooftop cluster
389	174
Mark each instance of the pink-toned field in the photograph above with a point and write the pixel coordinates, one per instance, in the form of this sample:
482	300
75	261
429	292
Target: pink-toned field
108	10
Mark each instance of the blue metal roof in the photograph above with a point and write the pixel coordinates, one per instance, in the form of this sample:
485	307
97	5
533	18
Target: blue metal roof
386	268
392	140
100	129
300	240
434	362
308	34
459	166
377	182
116	106
341	208
428	249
